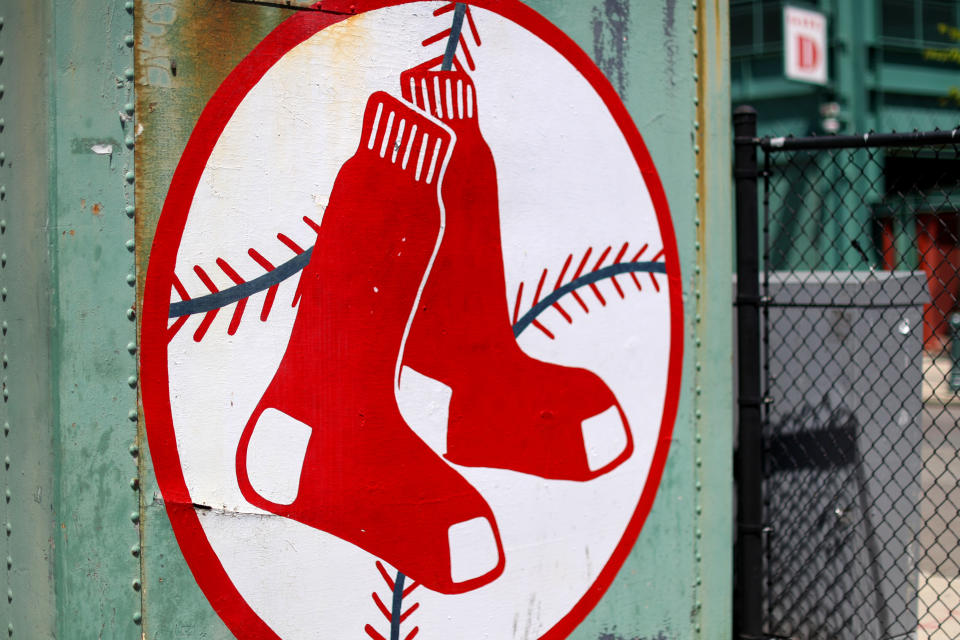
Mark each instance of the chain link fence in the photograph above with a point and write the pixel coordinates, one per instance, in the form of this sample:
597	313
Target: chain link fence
849	433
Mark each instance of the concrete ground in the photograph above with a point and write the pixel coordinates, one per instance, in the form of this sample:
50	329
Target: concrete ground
939	539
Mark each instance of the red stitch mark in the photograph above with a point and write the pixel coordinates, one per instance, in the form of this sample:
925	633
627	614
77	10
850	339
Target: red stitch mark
616	285
372	633
210	315
290	243
593	285
516	306
640	253
406	615
241	304
312	224
466	53
386	576
536	296
412	634
658	256
556	305
412	586
576	295
473	25
546	332
443	35
636	282
181	290
656	285
175	327
381	606
272	291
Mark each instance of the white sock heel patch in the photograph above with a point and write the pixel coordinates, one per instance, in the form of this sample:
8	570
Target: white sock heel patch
473	549
604	437
275	456
424	404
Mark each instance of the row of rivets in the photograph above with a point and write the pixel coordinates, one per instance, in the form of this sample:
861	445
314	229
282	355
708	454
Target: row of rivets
129	177
5	359
698	353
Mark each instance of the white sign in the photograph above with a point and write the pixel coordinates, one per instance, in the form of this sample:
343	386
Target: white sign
805	45
413	329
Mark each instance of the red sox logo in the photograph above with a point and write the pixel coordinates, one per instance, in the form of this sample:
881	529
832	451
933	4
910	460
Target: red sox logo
466	364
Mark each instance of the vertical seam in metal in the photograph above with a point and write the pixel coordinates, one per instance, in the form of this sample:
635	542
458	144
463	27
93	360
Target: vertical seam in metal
8	514
699	234
128	122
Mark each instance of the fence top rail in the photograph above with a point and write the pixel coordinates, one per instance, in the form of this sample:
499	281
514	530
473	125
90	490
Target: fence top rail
867	140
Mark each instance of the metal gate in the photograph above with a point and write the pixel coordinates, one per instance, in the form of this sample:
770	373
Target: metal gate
849	428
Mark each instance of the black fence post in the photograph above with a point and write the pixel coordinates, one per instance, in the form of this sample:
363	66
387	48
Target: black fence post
748	608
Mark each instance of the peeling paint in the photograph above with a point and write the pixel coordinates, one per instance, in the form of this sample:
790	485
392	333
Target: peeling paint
611	22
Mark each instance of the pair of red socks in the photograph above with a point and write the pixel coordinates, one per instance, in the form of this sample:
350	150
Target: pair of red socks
407	271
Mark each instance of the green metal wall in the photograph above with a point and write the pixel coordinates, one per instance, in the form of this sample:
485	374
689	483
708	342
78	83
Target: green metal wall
89	86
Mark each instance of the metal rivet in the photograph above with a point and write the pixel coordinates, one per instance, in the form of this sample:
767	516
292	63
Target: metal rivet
131	245
695	53
3	293
696	148
6	428
128	108
10	629
135	484
128	74
137	618
7	495
9	562
130	211
3	225
136	585
129	40
129	177
3	327
6	361
129	142
697	414
134	450
132	415
132	381
696	245
9	528
699	509
3	259
129	6
699	533
694	28
135	517
135	550
696	125
6	462
131	279
131	314
132	347
2	89
9	595
699	438
3	123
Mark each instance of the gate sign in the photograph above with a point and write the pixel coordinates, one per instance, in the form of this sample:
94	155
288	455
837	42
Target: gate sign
412	329
805	45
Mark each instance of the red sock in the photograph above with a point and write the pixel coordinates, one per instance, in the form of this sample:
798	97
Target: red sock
366	477
507	410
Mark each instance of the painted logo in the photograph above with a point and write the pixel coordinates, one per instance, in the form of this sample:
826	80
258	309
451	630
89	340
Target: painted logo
411	330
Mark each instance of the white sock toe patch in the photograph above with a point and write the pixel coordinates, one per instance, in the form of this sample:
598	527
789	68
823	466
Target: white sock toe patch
275	456
424	404
473	549
604	437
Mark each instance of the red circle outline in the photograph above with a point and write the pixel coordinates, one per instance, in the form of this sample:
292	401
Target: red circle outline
200	556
